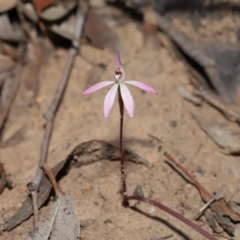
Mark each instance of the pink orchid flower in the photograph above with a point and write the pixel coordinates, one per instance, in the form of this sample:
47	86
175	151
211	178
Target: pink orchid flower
119	82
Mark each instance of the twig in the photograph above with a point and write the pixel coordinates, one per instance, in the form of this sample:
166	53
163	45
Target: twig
11	98
166	237
52	179
34	195
203	208
217	206
50	114
216	102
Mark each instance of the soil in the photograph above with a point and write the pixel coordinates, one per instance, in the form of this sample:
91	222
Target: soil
96	189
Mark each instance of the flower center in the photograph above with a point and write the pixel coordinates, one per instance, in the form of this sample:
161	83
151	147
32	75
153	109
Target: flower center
118	74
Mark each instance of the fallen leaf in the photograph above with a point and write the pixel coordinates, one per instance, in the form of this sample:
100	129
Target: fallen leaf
43	228
224	138
66	225
58	10
7	5
189	96
9	31
28	10
99	33
40	5
150	28
212	222
62	222
65	29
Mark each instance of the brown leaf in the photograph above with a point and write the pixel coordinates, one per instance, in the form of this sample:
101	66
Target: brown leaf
85	153
66	225
99	33
42	4
43	228
208	64
58	10
212	222
224	138
150	28
9	31
28	9
7	5
62	222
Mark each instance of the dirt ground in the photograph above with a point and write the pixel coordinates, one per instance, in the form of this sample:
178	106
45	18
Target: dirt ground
95	189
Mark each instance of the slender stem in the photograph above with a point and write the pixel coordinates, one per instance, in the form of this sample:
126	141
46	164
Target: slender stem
122	153
174	214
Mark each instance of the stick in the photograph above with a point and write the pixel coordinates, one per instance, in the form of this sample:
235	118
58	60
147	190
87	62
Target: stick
216	102
52	179
217	206
203	208
11	98
50	114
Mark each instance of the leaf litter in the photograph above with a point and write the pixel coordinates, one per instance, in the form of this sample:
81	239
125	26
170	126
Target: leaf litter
62	222
228	140
83	154
31	86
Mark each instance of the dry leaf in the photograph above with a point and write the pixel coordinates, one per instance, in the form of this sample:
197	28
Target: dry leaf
189	96
65	29
62	222
66	225
228	140
9	31
28	9
42	4
44	227
99	33
58	10
6	5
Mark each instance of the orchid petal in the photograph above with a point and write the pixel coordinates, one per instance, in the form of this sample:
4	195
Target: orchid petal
142	86
109	100
127	99
97	86
118	64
